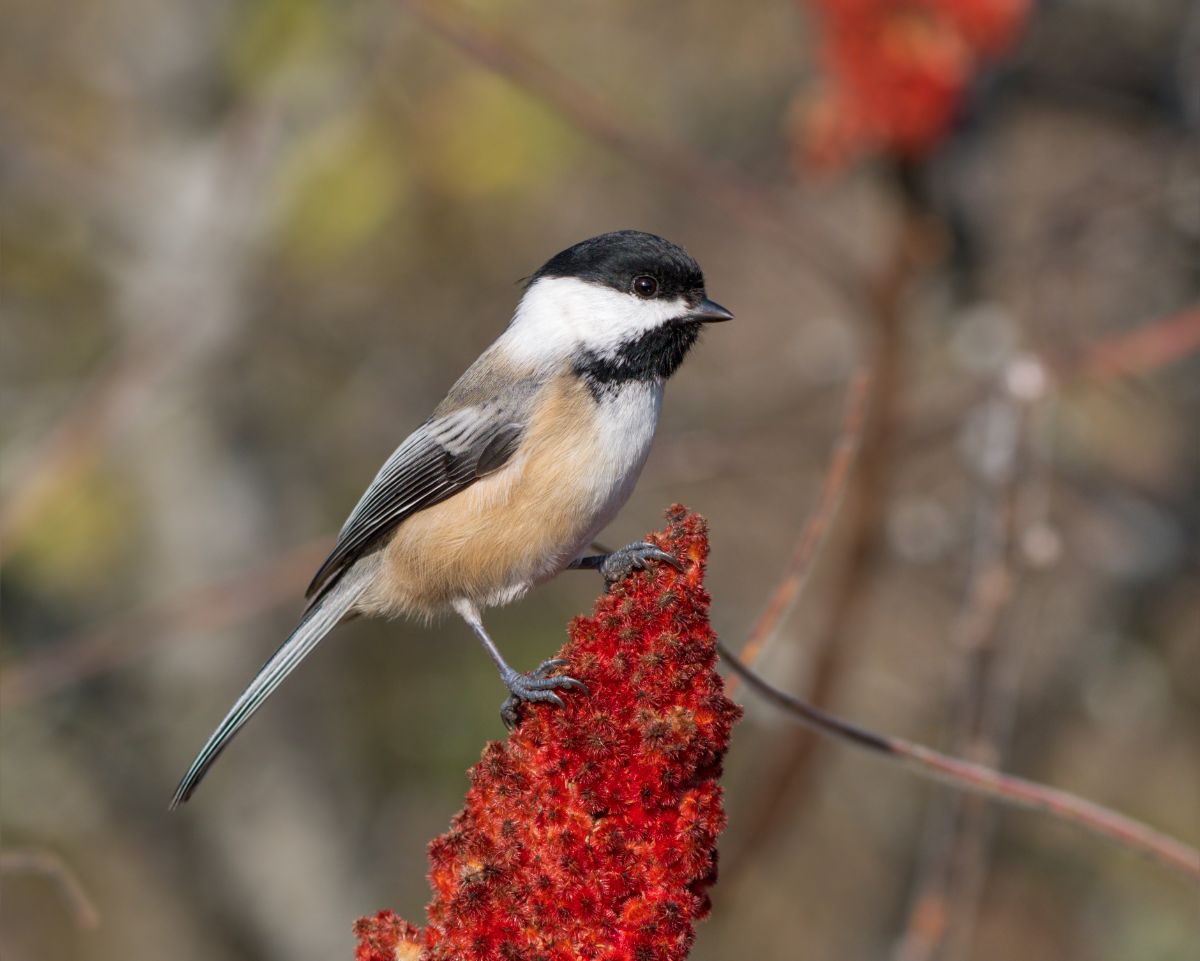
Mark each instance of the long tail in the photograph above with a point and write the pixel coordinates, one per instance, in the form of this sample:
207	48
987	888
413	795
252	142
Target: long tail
318	621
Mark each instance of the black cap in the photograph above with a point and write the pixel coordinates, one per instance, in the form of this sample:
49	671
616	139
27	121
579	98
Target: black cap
619	258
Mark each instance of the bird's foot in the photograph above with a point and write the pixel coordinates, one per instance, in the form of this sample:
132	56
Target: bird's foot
538	685
620	564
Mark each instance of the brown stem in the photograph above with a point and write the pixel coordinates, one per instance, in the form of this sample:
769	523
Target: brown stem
674	164
72	443
155	347
51	866
942	912
968	776
784	786
227	601
816	528
1138	351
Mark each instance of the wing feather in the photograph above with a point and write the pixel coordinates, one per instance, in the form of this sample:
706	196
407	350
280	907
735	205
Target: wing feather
444	456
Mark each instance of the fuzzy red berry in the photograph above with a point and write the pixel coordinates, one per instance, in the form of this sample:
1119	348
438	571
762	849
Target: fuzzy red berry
386	937
591	832
896	72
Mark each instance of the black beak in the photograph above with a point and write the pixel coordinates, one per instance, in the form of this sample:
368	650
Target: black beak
709	312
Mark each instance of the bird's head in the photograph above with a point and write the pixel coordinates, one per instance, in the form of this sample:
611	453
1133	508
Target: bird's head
621	306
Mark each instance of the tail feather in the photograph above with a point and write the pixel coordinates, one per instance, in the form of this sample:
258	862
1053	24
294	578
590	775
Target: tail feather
318	621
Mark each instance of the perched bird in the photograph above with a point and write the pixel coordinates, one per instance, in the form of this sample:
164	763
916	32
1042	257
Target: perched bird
533	451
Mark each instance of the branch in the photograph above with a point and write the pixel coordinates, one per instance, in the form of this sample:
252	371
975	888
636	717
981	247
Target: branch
787	783
672	163
966	776
1138	351
50	865
816	528
943	911
160	344
229	600
72	443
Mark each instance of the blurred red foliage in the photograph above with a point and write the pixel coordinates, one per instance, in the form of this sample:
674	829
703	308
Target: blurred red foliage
386	937
591	832
896	72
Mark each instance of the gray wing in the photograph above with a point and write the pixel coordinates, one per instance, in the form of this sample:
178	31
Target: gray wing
446	455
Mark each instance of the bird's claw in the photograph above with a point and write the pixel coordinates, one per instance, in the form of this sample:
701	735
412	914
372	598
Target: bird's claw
620	564
538	685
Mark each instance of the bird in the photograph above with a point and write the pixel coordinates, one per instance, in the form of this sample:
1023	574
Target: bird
531	454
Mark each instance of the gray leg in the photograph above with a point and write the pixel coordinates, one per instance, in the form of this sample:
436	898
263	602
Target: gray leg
537	685
620	564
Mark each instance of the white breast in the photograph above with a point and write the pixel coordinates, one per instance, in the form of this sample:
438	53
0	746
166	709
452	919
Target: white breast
625	427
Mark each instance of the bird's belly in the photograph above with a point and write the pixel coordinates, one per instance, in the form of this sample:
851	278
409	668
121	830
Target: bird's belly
525	523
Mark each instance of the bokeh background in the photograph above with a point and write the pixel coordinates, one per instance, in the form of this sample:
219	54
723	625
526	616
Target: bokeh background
247	247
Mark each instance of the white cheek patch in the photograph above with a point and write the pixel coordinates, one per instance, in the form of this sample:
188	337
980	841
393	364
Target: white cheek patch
557	315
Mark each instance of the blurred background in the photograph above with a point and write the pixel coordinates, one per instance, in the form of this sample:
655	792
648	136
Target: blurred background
248	246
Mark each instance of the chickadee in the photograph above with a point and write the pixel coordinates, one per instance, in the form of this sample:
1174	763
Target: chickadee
533	451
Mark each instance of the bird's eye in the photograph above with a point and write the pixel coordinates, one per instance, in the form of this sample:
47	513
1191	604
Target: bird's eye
645	286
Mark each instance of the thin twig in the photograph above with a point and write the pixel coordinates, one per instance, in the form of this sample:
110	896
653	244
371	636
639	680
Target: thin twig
154	347
784	787
813	534
51	866
673	163
74	441
954	868
976	778
230	600
1141	350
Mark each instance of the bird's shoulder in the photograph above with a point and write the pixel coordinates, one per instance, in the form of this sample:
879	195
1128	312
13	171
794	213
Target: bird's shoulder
495	385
